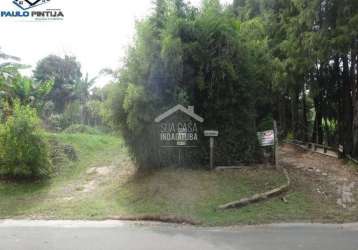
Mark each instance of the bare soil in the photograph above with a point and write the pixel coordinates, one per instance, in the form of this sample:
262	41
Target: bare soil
330	180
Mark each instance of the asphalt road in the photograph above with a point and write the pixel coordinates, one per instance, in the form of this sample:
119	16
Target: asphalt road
129	236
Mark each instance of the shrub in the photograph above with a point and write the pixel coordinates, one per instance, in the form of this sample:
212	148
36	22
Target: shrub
290	136
57	122
80	128
60	153
23	150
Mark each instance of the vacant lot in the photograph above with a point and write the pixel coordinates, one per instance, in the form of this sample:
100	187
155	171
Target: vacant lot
104	183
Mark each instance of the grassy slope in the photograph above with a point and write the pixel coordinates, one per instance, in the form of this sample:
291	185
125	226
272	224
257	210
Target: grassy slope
190	194
42	197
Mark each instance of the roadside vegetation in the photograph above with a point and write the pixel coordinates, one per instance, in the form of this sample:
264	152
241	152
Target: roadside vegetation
243	65
104	183
23	151
69	150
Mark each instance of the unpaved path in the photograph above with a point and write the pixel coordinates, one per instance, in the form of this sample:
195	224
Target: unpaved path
333	177
96	179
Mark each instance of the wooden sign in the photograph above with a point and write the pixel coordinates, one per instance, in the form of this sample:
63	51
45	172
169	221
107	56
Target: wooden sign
211	133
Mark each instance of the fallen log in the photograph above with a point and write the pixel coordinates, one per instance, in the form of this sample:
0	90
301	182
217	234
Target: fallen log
259	197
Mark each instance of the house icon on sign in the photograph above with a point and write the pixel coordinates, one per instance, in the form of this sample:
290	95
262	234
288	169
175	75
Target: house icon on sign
188	111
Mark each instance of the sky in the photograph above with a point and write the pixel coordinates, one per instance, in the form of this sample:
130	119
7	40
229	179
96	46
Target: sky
96	32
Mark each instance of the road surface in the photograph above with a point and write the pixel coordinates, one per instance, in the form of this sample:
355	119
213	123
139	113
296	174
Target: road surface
132	236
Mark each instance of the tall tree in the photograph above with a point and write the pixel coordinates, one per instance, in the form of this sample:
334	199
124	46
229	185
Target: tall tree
65	72
82	91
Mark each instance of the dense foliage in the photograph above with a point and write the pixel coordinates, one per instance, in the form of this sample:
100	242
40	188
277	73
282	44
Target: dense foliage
59	95
192	57
242	66
313	46
65	72
70	100
23	151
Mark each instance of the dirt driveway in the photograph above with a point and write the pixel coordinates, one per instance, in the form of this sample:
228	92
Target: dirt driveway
330	178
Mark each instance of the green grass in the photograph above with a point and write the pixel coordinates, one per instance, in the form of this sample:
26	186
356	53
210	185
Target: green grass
352	165
196	194
42	197
91	149
186	194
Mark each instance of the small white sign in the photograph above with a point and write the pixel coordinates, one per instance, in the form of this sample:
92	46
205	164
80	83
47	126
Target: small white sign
211	133
266	138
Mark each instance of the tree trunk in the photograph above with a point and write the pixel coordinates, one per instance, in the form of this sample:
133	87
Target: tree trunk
336	75
304	115
354	102
294	112
282	114
318	131
81	114
347	108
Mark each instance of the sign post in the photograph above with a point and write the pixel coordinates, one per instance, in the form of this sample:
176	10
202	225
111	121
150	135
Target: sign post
269	138
275	143
340	151
212	134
